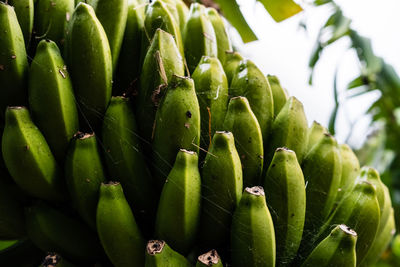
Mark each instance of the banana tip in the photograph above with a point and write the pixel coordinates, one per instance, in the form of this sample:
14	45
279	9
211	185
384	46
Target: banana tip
347	230
210	258
255	190
155	246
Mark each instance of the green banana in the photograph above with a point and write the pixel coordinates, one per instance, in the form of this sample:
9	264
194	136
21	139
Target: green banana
179	10
350	171
84	174
51	19
210	258
386	227
286	196
315	134
159	254
158	16
289	130
385	214
177	125
372	175
51	98
22	253
113	15
51	230
128	68
381	242
24	10
198	36
232	60
117	228
12	223
337	249
212	92
89	61
252	231
125	161
179	209
359	211
222	187
322	168
241	121
13	61
162	61
279	94
28	157
221	33
249	81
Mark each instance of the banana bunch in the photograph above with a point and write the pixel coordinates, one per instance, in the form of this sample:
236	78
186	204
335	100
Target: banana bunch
132	135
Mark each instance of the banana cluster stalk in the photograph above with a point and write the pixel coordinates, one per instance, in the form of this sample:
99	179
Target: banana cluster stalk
134	134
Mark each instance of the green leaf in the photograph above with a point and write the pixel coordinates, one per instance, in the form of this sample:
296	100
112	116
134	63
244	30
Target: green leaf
365	52
322	2
341	28
231	11
281	9
357	82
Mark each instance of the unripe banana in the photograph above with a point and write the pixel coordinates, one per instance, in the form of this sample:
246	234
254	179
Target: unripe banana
84	174
222	187
241	121
177	126
159	254
112	15
350	171
117	228
359	211
322	168
252	233
232	61
212	92
286	196
12	223
162	61
90	64
210	258
315	134
129	66
289	129
337	249
13	61
24	10
387	208
371	175
198	36
51	19
249	81
52	230
179	10
157	17
279	94
178	213
381	242
51	98
21	253
221	33
125	161
28	157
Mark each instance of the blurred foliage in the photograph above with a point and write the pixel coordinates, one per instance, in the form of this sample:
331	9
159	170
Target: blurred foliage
382	149
278	9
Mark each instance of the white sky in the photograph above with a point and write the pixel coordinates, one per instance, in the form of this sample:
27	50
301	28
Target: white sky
284	49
